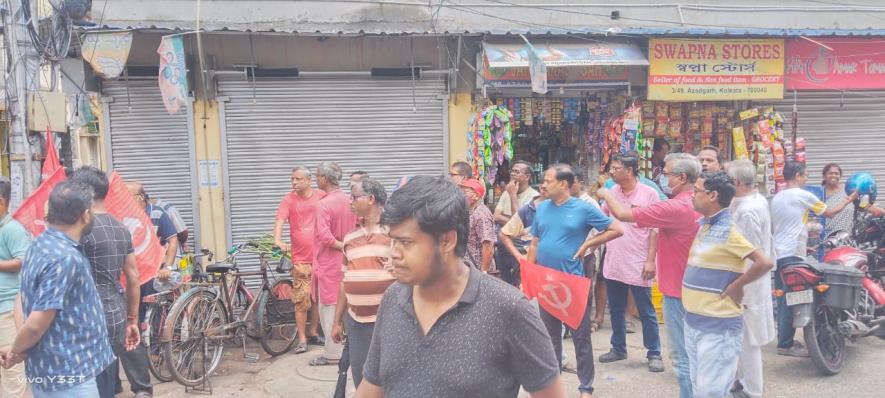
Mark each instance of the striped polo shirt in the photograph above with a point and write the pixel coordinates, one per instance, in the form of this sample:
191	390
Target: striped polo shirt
367	273
715	261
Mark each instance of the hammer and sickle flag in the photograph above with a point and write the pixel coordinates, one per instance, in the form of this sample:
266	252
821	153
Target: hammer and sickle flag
561	294
122	206
32	212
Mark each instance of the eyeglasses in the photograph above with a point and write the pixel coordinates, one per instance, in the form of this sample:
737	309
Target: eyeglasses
455	175
355	197
515	171
670	174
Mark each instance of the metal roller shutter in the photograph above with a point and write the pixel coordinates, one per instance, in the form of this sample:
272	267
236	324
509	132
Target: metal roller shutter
361	123
151	146
848	130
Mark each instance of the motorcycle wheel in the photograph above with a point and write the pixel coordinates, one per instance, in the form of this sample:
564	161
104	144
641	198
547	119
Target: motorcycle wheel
826	345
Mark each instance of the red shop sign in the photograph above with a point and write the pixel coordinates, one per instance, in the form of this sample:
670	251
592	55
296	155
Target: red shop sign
853	63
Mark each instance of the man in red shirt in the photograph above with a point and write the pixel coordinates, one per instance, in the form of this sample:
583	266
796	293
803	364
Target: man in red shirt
334	219
677	224
298	208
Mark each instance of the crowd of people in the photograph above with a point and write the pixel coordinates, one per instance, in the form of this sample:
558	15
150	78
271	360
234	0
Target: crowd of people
417	291
68	324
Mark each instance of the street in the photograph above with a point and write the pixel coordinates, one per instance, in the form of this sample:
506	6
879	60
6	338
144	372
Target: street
291	376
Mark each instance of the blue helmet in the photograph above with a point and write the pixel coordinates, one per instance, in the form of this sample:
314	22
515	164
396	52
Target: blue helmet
864	184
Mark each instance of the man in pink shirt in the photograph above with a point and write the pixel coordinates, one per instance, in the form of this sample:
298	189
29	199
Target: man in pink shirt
298	208
677	224
334	219
630	265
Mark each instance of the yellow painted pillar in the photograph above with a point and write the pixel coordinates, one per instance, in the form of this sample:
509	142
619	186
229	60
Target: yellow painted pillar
460	111
213	223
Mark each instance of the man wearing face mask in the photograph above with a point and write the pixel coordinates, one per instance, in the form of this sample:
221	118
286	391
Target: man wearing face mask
677	224
481	237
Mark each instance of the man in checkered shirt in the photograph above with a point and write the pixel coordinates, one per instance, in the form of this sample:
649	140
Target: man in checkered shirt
109	250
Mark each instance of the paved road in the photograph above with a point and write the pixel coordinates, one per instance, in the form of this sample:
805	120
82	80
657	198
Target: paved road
290	375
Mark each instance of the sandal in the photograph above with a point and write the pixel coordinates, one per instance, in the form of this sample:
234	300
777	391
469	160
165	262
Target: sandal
301	348
569	368
323	361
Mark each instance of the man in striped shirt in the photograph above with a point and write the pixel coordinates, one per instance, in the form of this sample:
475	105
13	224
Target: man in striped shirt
713	288
366	274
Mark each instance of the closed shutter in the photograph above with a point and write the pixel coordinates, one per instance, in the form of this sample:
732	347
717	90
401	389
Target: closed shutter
848	130
361	123
150	146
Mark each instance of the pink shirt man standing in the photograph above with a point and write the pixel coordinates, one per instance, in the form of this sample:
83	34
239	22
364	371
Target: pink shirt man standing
334	219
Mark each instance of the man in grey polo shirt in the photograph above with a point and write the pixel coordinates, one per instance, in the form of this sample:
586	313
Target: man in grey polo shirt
444	329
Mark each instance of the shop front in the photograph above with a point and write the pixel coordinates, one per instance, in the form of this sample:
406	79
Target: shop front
387	126
144	143
591	84
706	92
837	88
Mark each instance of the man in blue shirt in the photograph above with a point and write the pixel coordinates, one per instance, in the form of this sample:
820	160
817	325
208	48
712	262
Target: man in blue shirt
14	243
64	336
561	227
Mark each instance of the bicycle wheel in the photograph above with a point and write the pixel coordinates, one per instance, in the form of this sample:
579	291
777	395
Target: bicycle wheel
157	313
191	354
276	319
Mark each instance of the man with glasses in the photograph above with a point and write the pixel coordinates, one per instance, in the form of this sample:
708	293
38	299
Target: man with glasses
677	224
518	194
460	171
481	236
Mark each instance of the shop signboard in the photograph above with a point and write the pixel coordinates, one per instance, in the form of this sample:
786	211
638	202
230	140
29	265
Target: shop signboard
715	69
521	77
841	63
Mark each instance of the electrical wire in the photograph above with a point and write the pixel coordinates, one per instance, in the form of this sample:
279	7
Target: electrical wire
57	42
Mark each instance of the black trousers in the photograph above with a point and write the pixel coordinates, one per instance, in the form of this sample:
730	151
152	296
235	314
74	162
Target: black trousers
581	339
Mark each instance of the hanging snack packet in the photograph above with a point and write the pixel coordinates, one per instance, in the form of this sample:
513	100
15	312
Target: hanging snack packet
740	143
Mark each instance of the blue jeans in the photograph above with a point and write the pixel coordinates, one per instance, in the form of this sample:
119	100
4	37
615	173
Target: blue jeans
713	360
786	333
617	301
674	320
86	389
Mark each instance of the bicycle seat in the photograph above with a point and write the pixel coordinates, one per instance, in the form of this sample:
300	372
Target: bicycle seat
219	268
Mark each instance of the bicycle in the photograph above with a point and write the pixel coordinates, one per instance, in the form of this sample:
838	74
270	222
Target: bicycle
158	306
204	318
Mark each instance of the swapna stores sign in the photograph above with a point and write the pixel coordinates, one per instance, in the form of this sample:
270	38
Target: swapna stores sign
715	69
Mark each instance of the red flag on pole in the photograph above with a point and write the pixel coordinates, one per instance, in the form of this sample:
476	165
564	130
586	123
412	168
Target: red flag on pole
561	294
51	163
32	212
122	205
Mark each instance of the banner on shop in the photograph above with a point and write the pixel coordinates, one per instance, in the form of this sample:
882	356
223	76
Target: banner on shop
173	73
715	69
521	77
107	52
848	63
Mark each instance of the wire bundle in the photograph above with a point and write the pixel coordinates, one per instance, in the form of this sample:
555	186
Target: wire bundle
57	40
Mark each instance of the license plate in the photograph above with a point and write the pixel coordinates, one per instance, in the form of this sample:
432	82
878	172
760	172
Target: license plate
803	297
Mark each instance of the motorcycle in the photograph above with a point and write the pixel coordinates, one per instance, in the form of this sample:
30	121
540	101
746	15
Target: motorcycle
842	298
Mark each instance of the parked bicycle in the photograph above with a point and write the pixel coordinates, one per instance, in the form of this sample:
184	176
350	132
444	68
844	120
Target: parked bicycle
158	306
205	317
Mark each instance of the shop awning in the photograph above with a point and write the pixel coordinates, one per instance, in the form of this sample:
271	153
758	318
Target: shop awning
515	55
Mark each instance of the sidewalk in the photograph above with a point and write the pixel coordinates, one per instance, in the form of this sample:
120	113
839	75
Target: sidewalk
290	375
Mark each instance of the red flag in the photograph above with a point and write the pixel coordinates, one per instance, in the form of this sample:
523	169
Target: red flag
122	205
51	162
32	212
561	294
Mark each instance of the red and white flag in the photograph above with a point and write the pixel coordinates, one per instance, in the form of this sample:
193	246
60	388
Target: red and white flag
561	294
32	212
122	206
51	163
